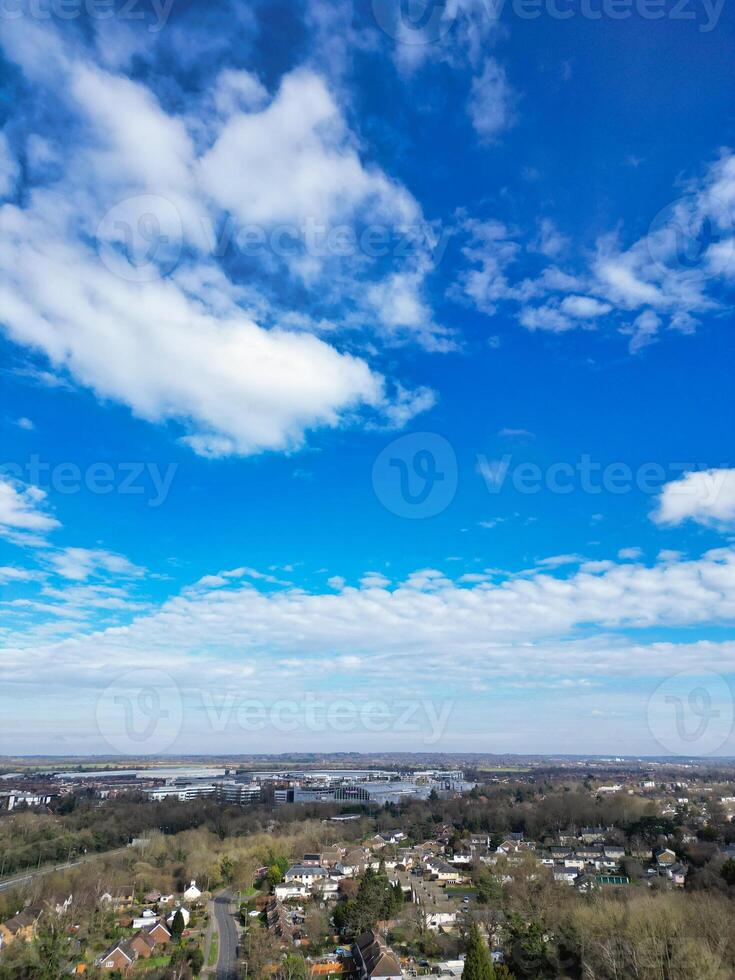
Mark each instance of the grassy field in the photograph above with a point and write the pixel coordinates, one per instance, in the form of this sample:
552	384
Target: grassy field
213	950
504	769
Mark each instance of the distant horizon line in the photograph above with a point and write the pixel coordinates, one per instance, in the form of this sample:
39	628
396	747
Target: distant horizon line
337	756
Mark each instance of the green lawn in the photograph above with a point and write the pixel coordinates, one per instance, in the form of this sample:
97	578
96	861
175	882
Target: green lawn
143	965
213	950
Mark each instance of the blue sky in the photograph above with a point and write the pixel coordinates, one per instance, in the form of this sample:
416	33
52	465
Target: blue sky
371	353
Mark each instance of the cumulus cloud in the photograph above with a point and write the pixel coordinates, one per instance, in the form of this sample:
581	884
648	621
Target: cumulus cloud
301	163
704	496
174	336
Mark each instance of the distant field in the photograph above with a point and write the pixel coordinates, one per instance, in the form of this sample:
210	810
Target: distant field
504	769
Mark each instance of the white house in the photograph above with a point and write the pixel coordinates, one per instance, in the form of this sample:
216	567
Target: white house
192	893
147	918
566	874
435	920
172	915
290	890
443	870
305	874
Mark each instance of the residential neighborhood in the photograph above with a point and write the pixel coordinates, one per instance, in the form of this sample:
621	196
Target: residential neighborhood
359	891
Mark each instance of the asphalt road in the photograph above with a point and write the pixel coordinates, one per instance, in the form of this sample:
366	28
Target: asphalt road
25	877
224	914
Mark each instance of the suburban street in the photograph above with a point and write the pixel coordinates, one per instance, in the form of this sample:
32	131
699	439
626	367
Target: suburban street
224	913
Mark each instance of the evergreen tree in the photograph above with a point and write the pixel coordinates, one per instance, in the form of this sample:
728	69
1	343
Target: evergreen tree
376	899
178	925
478	964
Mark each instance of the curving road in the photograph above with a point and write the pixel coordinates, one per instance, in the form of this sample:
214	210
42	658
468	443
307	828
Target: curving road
225	918
23	877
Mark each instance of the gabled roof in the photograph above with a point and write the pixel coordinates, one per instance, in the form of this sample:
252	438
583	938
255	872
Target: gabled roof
306	869
22	920
378	959
123	948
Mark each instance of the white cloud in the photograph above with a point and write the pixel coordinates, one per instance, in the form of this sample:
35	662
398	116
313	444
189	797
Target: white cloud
9	167
660	280
547	318
407	404
236	387
703	496
511	628
238	91
642	331
295	161
558	561
185	343
22	517
550	241
584	306
491	251
8	573
492	101
80	564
